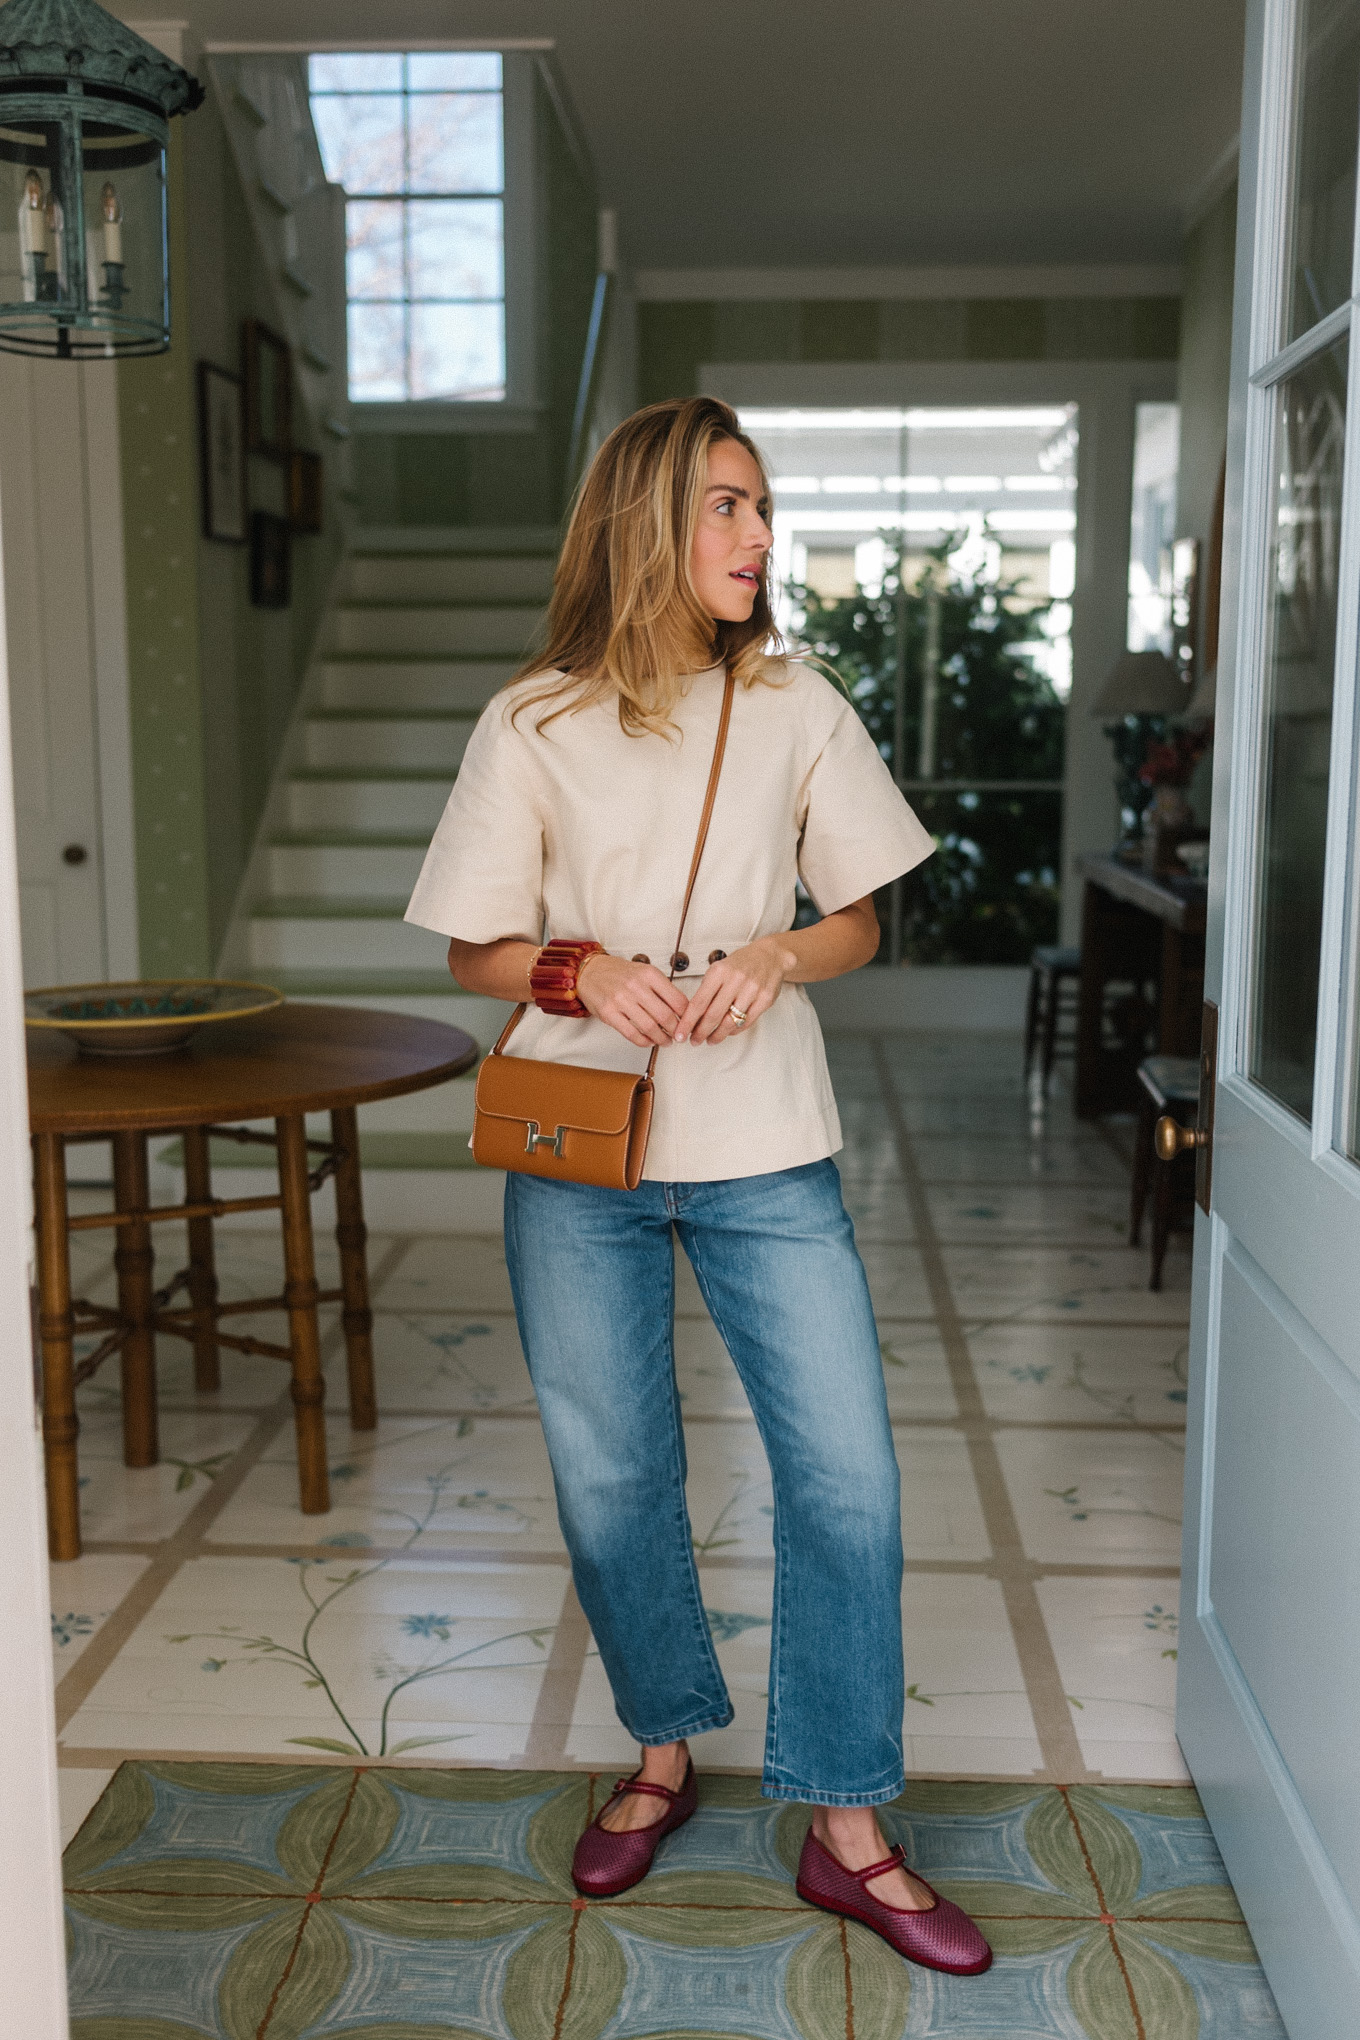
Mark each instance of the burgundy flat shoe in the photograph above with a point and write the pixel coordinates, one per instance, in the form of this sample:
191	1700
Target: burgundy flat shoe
943	1938
605	1864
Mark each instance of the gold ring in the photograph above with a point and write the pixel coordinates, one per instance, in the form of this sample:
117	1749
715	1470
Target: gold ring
738	1018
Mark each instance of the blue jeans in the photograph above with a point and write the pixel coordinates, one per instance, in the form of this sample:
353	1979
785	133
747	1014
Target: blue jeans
594	1282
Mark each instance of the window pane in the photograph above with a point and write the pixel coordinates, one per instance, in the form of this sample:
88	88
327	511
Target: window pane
377	353
456	248
455	70
1325	153
990	892
1300	658
373	267
458	351
361	142
456	142
364	71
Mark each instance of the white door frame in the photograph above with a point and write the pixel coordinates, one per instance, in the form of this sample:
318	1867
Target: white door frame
32	1942
1106	393
1294	1227
108	640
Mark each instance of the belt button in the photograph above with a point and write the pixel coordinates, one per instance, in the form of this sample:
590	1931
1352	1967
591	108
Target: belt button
640	958
717	955
680	962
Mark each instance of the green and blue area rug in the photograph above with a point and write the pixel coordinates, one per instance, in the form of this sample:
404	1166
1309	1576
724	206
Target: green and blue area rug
272	1902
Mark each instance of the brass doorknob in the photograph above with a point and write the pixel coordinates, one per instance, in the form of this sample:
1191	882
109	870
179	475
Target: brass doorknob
1171	1138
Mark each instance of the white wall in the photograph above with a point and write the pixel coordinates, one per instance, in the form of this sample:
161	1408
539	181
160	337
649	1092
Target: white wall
32	1947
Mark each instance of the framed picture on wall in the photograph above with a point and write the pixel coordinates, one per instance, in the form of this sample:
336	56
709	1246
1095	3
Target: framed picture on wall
269	390
221	454
304	492
270	560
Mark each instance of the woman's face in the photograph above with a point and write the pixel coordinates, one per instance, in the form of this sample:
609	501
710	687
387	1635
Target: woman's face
733	537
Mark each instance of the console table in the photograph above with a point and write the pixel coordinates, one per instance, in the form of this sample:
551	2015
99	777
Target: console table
1147	932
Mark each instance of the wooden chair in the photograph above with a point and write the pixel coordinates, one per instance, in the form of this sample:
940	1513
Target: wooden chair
1166	1084
1051	972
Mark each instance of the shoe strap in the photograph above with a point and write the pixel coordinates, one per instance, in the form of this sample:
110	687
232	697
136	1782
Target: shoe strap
896	1860
623	1786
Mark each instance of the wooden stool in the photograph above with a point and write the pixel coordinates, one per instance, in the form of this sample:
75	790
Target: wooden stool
1050	969
1166	1084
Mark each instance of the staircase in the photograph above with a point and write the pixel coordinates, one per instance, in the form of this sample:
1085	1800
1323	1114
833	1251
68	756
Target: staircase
421	633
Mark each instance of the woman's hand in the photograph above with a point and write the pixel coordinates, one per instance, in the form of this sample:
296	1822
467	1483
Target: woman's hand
751	979
636	999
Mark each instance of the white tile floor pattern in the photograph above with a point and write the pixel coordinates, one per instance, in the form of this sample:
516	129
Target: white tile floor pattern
1037	1391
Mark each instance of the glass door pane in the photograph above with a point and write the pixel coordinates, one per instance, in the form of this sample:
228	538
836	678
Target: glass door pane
1323	210
1300	662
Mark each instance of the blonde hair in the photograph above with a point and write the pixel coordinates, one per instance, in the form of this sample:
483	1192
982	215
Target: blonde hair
624	618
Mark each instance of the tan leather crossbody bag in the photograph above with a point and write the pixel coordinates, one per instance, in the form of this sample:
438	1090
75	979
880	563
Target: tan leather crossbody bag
580	1125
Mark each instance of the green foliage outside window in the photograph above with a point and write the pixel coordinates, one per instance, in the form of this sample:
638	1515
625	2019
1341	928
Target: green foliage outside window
990	892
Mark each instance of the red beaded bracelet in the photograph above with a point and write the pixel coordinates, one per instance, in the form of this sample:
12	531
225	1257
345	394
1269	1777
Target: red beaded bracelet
553	973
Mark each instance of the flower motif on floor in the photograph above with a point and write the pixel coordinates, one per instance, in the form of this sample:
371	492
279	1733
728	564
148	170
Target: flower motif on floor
428	1625
724	1626
307	1655
66	1628
1080	1511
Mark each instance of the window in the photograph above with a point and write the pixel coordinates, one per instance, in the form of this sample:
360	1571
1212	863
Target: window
955	526
418	142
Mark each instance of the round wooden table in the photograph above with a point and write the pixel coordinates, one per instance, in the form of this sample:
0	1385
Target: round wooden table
278	1065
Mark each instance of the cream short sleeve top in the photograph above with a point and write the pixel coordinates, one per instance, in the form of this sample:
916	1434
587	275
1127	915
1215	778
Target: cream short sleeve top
583	832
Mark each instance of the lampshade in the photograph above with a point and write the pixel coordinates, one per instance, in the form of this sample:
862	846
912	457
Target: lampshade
1141	683
85	104
1203	699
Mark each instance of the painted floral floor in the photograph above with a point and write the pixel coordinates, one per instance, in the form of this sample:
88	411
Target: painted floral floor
263	1900
1037	1389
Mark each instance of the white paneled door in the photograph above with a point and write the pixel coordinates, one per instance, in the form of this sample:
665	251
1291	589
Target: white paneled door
60	502
1269	1708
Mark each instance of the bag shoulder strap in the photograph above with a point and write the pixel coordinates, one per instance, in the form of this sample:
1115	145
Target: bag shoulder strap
710	796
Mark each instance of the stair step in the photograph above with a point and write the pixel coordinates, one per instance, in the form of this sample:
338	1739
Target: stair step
347	865
408	803
331	907
381	989
364	681
398	629
331	934
423	577
409	739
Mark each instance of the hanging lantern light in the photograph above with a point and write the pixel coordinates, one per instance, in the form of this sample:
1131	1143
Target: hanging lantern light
85	107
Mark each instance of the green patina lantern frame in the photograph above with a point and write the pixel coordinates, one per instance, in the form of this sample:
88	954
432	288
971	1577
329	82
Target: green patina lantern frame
83	96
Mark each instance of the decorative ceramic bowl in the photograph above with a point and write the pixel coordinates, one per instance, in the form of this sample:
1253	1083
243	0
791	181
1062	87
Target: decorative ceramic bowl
147	1018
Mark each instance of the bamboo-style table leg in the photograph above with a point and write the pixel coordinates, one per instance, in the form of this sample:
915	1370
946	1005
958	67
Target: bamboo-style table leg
202	1265
351	1235
133	1258
61	1426
299	1293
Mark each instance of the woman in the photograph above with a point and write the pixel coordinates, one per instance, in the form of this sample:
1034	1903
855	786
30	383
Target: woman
575	810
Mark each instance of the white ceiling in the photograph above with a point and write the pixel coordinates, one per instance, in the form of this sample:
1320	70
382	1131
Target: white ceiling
801	132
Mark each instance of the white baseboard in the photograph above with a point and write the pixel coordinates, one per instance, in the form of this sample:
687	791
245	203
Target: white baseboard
981	997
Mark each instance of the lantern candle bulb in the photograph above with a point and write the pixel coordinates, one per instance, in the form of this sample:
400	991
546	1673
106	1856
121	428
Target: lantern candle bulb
33	217
112	209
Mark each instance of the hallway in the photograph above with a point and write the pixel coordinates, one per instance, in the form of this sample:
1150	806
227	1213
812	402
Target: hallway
1037	1391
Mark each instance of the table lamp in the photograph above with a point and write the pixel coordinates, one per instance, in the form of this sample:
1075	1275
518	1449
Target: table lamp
1142	693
